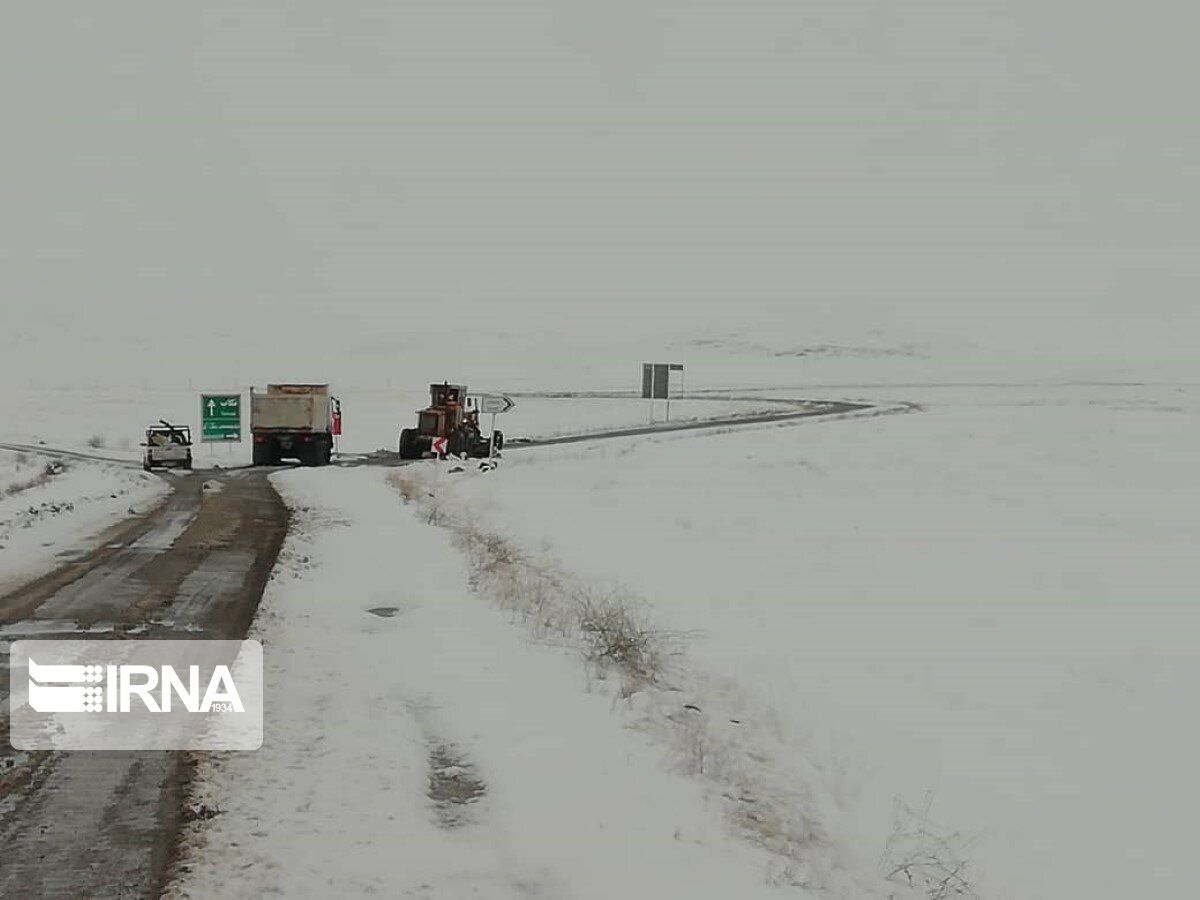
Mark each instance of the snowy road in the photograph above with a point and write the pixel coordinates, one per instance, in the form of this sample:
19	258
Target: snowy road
102	824
800	409
722	409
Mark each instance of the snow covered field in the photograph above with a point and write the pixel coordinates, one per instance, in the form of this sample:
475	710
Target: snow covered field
417	745
991	602
48	508
981	613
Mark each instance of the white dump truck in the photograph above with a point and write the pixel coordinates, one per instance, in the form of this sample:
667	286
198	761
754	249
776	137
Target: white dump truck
294	421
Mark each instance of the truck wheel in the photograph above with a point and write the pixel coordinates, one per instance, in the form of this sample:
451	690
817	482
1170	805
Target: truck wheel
262	454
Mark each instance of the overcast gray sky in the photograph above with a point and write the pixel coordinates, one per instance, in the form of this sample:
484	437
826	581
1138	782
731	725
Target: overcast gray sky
842	167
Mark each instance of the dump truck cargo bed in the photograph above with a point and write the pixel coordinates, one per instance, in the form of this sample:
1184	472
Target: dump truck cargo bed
293	421
291	408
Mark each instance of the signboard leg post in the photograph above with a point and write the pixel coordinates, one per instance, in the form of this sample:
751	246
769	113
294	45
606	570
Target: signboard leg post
653	391
656	384
492	404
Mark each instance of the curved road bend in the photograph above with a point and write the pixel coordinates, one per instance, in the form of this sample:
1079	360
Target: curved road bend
802	409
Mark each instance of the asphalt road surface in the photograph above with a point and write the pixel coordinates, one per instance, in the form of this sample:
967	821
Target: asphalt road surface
103	824
801	409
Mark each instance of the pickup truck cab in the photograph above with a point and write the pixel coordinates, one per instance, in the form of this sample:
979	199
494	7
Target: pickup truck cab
167	445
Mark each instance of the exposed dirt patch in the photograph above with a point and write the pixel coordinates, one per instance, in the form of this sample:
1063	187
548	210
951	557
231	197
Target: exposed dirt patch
454	786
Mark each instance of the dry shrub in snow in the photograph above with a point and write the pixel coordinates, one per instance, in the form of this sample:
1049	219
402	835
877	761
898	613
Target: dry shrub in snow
922	856
96	441
49	470
774	800
605	623
614	635
411	487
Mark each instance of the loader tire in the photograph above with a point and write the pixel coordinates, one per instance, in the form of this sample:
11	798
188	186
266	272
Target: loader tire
406	448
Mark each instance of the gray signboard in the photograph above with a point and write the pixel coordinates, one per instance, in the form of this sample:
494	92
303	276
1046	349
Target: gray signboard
656	380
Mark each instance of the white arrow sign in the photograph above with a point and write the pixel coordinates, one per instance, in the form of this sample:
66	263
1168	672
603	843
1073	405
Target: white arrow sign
495	403
211	406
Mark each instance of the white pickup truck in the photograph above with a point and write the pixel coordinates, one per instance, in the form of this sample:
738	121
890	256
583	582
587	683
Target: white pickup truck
167	445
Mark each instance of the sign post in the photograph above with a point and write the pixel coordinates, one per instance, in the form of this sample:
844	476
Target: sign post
220	418
656	384
673	367
494	404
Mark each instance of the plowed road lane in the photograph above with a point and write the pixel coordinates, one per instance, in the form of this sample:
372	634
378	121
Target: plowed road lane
102	824
804	409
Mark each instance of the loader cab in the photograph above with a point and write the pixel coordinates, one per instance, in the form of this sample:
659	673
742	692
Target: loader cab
445	412
441	395
429	422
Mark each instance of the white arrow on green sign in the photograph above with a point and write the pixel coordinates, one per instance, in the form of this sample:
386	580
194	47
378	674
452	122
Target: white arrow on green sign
220	417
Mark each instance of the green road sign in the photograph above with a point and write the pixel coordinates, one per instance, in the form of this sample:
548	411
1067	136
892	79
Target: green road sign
220	417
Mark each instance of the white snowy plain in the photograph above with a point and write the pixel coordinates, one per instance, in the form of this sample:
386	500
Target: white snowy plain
365	711
990	603
48	507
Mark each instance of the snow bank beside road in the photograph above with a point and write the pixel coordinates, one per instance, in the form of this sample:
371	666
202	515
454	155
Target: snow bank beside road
48	507
22	471
418	745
